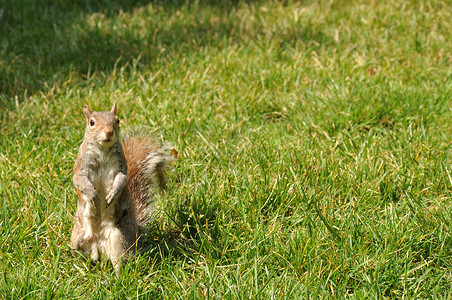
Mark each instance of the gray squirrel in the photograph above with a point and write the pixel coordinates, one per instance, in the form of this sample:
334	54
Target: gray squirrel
115	181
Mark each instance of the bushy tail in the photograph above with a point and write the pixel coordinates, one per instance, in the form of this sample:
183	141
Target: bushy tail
147	163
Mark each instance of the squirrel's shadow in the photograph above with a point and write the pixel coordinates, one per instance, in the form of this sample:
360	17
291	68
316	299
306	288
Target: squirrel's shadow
194	223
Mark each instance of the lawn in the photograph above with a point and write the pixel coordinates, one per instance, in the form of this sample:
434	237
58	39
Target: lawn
314	144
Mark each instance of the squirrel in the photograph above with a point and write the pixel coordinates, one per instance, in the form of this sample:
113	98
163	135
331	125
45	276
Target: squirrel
115	180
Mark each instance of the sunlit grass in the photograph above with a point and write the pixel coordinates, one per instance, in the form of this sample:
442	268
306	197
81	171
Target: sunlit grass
314	145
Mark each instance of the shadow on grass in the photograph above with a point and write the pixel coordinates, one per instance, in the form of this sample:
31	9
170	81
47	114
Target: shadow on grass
46	42
197	231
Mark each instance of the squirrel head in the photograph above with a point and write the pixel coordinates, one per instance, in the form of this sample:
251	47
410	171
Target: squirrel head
102	126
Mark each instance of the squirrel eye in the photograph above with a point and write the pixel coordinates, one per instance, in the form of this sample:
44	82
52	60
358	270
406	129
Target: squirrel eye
91	122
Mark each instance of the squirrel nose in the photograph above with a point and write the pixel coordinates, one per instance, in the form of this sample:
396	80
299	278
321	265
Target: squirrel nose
109	133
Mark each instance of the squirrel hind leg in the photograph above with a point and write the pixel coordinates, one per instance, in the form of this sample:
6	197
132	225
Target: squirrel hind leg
81	246
77	239
115	247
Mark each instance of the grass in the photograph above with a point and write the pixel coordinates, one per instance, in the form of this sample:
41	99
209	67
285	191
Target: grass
314	139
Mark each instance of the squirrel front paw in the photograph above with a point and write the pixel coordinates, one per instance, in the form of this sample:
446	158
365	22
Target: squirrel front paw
111	197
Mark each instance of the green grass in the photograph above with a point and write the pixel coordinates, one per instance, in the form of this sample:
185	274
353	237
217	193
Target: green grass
314	139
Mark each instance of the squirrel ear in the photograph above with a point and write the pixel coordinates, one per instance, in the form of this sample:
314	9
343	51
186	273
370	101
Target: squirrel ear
87	111
113	109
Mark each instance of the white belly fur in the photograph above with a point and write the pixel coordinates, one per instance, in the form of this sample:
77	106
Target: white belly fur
102	179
